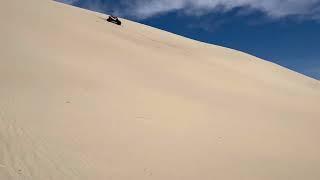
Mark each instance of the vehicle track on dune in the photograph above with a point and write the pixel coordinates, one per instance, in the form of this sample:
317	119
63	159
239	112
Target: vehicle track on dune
26	157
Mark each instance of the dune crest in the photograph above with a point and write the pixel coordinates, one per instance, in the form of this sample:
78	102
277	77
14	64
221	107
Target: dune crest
81	98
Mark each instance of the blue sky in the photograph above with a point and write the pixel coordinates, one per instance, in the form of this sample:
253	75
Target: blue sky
286	32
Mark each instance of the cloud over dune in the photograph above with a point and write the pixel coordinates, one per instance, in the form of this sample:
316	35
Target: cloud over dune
272	8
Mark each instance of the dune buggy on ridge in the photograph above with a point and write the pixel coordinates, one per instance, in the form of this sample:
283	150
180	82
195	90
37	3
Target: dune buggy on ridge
114	19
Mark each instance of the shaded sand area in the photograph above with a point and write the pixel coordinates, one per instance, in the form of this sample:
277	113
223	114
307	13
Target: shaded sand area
83	99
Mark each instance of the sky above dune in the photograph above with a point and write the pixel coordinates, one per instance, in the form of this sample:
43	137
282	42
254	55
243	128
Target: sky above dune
286	32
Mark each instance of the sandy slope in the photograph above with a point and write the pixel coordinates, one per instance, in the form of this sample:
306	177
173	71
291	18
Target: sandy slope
84	99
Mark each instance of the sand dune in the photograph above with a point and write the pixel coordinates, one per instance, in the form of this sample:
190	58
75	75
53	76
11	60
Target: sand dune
84	99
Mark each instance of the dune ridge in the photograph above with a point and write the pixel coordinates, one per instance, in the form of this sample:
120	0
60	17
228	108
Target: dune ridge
81	98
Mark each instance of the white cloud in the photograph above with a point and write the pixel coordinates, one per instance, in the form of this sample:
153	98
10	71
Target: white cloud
67	1
272	8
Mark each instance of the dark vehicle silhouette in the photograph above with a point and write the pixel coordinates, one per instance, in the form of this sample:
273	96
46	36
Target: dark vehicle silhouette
114	19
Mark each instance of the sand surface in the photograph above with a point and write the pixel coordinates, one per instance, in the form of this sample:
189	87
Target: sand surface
83	99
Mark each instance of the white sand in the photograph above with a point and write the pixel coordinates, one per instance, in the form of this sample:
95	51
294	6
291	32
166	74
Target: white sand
84	99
